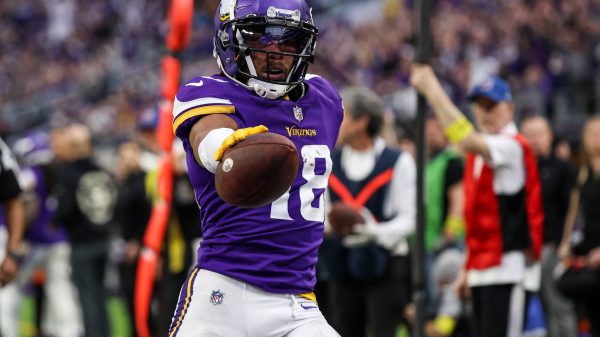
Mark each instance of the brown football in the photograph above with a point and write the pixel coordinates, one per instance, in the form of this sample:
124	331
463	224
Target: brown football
342	219
257	170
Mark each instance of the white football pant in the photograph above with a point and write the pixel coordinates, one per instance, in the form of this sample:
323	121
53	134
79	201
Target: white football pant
61	314
214	305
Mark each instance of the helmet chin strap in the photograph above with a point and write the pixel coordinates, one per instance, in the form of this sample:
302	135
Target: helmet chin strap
268	90
261	88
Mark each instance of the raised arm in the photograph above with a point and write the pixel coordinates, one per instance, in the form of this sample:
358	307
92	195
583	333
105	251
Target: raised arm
456	126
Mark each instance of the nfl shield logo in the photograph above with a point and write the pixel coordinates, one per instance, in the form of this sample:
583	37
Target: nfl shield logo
298	114
216	297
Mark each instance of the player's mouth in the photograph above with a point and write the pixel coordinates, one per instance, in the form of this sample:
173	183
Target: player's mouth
274	74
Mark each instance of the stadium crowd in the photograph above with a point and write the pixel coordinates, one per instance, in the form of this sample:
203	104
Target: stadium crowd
97	63
90	57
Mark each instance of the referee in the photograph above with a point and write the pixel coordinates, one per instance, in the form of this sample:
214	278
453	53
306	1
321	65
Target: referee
12	224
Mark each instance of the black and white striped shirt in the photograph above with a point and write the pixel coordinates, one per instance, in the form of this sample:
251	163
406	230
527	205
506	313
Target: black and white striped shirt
9	185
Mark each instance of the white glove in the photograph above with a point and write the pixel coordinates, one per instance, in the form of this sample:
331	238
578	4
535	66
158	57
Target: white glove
363	233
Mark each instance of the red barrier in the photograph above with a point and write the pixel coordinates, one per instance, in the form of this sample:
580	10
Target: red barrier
180	21
180	28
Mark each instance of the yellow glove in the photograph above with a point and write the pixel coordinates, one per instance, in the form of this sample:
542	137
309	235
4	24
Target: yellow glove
238	136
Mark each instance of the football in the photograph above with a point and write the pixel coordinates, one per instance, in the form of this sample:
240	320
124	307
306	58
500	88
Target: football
257	170
342	219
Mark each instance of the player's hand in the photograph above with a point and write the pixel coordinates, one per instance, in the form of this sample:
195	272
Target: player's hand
8	270
423	79
238	136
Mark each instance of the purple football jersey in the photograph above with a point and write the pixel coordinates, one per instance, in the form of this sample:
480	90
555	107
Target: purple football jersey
273	247
42	230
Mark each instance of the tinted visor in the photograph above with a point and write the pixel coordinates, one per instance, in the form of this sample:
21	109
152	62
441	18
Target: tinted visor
289	39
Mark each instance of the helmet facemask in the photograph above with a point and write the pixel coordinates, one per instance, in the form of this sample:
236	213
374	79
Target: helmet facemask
271	54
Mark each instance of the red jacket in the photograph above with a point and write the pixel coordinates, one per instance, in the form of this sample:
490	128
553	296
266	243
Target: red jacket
495	224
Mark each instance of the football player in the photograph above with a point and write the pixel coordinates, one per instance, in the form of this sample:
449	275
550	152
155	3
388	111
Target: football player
49	247
256	267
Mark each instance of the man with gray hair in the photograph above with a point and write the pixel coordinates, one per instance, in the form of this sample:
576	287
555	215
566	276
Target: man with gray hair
86	196
377	184
557	177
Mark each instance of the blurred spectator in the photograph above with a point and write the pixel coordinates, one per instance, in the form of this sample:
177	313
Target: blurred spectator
557	177
132	214
86	198
445	225
445	200
49	249
103	54
503	203
145	136
372	287
449	317
585	254
406	139
530	97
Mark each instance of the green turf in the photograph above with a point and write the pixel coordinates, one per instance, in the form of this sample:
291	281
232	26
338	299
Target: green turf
402	332
120	322
28	316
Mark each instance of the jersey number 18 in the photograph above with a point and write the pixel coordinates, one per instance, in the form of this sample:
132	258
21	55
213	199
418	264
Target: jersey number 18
316	183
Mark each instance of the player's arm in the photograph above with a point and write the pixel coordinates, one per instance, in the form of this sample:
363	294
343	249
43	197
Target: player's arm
213	134
456	126
207	124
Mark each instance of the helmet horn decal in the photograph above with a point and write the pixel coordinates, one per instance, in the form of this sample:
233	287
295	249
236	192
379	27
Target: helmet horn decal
227	9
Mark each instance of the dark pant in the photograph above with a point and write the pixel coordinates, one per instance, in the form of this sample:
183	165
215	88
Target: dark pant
592	311
379	304
89	263
498	309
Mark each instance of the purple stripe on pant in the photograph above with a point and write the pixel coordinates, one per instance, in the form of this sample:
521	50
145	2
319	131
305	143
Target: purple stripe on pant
185	297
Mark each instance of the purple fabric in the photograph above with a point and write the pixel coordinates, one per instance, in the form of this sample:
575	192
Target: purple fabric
42	230
248	244
185	298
